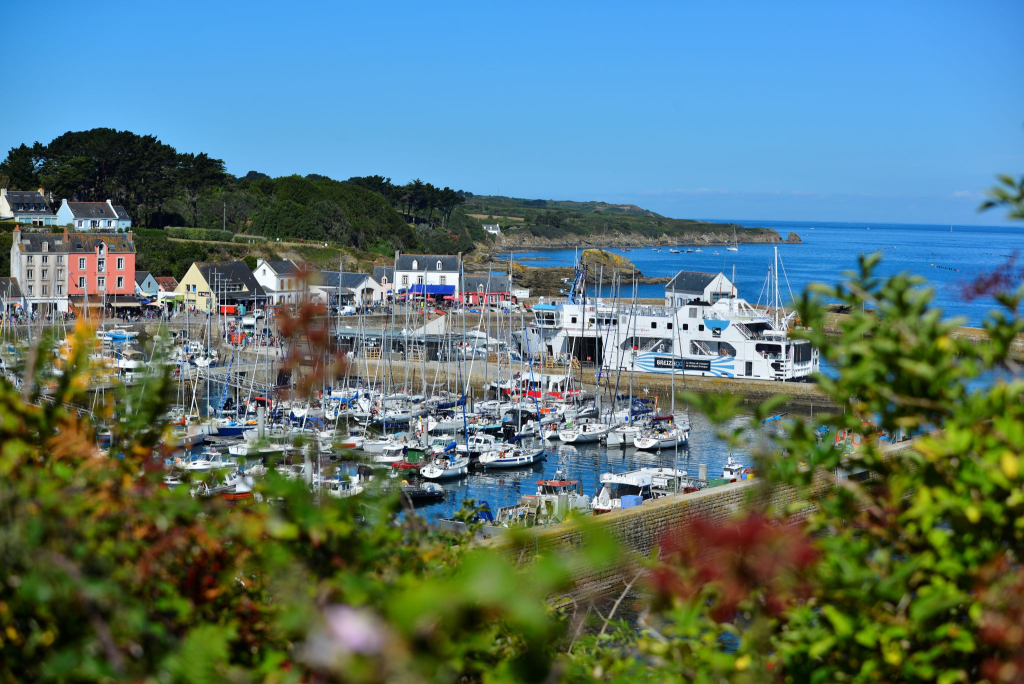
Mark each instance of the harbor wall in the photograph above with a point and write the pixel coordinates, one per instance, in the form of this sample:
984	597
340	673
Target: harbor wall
640	531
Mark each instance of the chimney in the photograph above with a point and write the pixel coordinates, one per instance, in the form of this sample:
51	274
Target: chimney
66	239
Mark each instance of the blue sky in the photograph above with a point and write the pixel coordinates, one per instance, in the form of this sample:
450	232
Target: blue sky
855	111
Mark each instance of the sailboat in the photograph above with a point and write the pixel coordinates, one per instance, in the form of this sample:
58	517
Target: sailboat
735	247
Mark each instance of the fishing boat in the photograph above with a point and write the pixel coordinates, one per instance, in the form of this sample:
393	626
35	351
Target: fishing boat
629	489
733	470
555	500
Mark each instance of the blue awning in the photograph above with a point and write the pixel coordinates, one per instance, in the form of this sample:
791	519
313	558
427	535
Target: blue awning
432	289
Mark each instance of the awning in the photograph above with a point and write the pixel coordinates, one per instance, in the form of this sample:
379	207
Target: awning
432	289
125	304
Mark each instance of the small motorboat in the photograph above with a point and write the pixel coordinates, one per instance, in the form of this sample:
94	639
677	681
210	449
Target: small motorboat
445	468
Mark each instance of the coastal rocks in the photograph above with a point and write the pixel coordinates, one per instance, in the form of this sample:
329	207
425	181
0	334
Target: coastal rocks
793	238
703	235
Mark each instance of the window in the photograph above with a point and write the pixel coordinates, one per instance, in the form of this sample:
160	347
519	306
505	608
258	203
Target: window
444	280
415	264
654	325
669	326
60	274
384	280
29	290
103	249
419	280
405	280
438	264
46	273
29	258
81	282
60	289
700	327
573	319
686	326
31	274
45	258
120	264
81	264
46	290
120	282
78	223
60	260
101	283
101	265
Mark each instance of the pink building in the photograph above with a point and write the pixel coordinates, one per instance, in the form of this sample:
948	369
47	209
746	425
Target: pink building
101	264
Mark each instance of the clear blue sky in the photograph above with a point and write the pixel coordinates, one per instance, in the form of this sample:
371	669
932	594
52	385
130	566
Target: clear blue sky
887	111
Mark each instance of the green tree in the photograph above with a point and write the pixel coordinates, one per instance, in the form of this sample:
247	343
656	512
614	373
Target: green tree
22	167
195	174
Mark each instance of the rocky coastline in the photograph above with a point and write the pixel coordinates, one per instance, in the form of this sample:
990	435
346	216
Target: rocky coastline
523	240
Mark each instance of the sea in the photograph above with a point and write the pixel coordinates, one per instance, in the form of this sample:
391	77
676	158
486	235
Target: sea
947	257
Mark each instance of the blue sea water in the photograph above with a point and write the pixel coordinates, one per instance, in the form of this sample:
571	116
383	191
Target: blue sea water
948	260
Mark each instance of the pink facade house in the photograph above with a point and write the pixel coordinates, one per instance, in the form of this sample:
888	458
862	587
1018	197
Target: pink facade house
101	264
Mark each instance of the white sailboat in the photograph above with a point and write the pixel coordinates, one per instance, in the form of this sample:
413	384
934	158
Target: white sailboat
735	246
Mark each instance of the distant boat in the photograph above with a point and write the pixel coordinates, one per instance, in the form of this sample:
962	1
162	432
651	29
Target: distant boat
698	249
675	251
735	245
690	251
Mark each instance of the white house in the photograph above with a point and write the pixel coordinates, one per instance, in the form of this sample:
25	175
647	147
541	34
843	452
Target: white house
385	277
26	206
689	286
434	275
492	228
93	215
353	288
282	281
39	263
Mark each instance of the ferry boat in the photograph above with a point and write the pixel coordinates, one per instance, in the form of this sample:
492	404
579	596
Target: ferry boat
703	329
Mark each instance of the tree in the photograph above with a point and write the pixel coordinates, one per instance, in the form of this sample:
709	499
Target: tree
21	167
1009	194
196	173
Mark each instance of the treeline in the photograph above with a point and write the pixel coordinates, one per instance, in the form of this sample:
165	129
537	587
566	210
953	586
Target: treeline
160	187
416	199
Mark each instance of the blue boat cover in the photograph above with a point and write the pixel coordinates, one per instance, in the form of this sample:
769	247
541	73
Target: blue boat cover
432	289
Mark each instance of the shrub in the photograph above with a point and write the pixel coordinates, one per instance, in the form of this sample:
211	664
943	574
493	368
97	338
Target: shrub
248	239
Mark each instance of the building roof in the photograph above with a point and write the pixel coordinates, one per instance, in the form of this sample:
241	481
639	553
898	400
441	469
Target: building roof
283	267
29	202
232	273
485	283
92	210
117	243
121	212
428	262
140	276
166	283
690	282
33	242
382	272
9	288
349	280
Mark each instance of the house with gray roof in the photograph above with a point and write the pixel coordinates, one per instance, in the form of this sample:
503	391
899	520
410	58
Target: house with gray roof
694	286
145	284
427	275
335	287
26	206
385	276
93	215
486	289
283	281
39	263
209	285
10	295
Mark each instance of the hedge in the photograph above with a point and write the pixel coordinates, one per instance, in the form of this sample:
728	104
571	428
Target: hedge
199	234
248	238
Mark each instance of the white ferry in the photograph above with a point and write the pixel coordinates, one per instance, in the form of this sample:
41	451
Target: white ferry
704	328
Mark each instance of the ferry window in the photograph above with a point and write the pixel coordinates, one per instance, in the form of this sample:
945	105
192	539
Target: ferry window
700	327
573	319
686	326
669	326
654	324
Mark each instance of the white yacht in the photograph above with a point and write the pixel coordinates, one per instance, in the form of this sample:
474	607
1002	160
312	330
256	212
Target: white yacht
583	433
704	329
664	433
